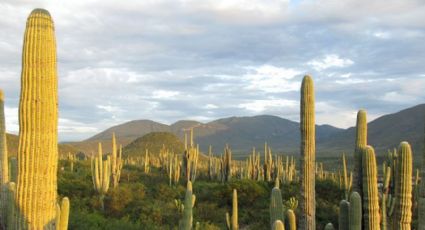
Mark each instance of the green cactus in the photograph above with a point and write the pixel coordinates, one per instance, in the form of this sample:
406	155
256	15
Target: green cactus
278	225
329	226
276	206
226	165
361	142
11	206
116	162
370	190
291	219
4	164
355	212
385	196
308	155
13	169
421	196
186	223
403	190
232	224
344	215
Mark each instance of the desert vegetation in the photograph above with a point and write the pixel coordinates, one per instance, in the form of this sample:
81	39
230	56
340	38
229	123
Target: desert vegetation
160	182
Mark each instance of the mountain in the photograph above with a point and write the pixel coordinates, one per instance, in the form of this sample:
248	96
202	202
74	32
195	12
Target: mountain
154	142
243	133
386	132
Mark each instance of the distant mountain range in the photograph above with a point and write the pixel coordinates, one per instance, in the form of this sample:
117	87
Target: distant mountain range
243	133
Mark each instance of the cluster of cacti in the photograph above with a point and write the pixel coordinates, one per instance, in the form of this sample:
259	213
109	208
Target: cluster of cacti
268	163
101	174
308	156
173	169
4	164
226	165
116	162
71	160
232	221
253	166
62	214
186	223
421	195
36	187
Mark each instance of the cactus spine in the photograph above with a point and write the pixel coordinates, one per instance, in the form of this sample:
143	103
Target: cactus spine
101	173
343	218
403	189
308	156
370	190
36	188
278	225
361	142
355	212
4	164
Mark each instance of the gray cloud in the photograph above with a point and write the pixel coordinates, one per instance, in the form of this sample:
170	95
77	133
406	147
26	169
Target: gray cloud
170	60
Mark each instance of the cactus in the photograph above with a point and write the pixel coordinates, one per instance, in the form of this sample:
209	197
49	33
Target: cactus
62	215
403	190
71	159
308	156
291	219
13	169
226	165
36	187
370	190
276	206
101	173
189	201
116	162
329	226
278	225
343	217
385	195
346	178
233	223
421	195
355	212
146	165
361	142
11	206
4	164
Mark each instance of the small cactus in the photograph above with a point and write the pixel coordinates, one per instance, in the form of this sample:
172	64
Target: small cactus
343	217
403	193
278	225
276	206
355	212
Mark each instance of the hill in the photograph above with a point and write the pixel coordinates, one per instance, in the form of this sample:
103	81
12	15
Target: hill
13	143
154	142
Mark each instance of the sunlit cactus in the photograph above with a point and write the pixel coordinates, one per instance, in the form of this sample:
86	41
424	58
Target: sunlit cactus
36	187
308	156
361	142
403	193
278	225
116	162
370	190
62	214
101	174
329	226
291	219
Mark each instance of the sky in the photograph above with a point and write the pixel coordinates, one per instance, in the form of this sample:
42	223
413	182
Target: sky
168	60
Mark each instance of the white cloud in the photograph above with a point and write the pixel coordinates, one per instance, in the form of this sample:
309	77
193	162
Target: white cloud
329	61
268	104
165	94
12	119
272	79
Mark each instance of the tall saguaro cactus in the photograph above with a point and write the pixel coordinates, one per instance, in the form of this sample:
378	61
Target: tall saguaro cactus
36	192
101	174
403	188
308	156
116	162
361	142
370	190
4	164
421	199
232	222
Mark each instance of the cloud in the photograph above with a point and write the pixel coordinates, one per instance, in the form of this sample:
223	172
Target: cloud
329	61
168	60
